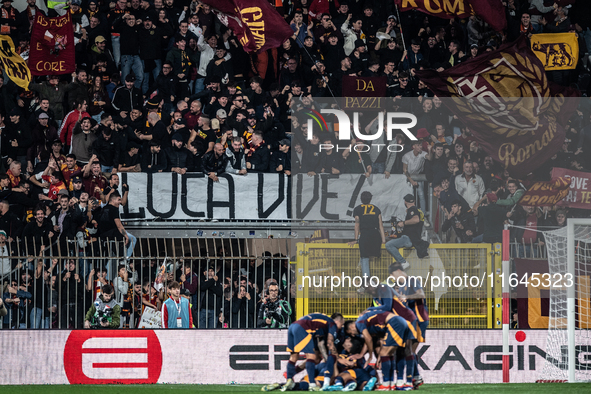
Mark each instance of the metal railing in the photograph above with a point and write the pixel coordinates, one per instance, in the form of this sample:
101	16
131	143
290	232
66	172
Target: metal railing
449	306
53	287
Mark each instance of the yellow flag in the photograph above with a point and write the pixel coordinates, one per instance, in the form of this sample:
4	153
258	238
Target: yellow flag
557	51
14	65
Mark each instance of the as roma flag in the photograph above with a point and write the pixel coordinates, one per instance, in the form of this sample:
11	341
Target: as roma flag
491	11
257	25
548	193
507	102
52	46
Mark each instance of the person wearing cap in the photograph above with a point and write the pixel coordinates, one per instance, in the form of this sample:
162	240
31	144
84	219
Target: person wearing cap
178	158
18	136
219	66
130	160
369	231
153	158
150	54
412	228
388	33
410	60
43	134
106	150
211	290
127	97
281	159
77	191
73	7
53	91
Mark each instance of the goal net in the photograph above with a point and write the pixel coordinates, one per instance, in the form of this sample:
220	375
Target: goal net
568	344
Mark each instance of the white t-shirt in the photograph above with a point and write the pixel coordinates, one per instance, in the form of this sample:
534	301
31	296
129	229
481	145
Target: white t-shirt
414	163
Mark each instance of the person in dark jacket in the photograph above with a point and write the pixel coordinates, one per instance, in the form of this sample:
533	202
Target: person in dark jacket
214	162
166	85
153	158
130	48
257	159
211	291
77	90
127	97
18	136
104	147
38	232
151	38
68	219
179	159
281	159
243	309
54	91
462	222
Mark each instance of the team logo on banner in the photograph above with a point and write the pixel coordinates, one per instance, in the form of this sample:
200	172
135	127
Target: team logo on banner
113	357
556	51
14	65
52	46
511	108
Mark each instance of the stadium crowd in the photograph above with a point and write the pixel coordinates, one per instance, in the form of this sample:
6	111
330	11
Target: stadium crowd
164	86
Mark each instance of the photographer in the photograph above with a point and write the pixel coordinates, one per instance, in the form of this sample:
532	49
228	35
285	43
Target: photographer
273	312
105	312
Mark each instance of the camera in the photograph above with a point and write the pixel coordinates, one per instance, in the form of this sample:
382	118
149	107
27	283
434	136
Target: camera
102	317
270	311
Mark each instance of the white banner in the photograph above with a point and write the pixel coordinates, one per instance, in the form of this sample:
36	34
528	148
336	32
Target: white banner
241	356
151	318
259	196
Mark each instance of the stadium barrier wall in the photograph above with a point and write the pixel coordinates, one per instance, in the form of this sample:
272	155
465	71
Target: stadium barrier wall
240	356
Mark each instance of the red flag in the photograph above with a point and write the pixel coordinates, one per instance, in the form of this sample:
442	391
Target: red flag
491	11
52	46
549	193
257	25
505	99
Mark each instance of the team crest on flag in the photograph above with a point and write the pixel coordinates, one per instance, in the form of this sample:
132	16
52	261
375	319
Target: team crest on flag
511	108
52	45
556	51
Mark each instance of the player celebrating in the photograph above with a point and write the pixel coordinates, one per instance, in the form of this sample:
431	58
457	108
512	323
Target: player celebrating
397	331
387	299
312	334
414	296
353	373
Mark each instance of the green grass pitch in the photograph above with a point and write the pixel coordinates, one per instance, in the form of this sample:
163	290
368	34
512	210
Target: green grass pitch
533	388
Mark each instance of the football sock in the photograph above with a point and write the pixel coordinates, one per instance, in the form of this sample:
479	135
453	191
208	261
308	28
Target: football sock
330	360
416	371
291	369
311	369
410	367
400	363
386	368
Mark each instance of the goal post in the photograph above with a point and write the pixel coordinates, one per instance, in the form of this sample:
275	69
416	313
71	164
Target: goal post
568	343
